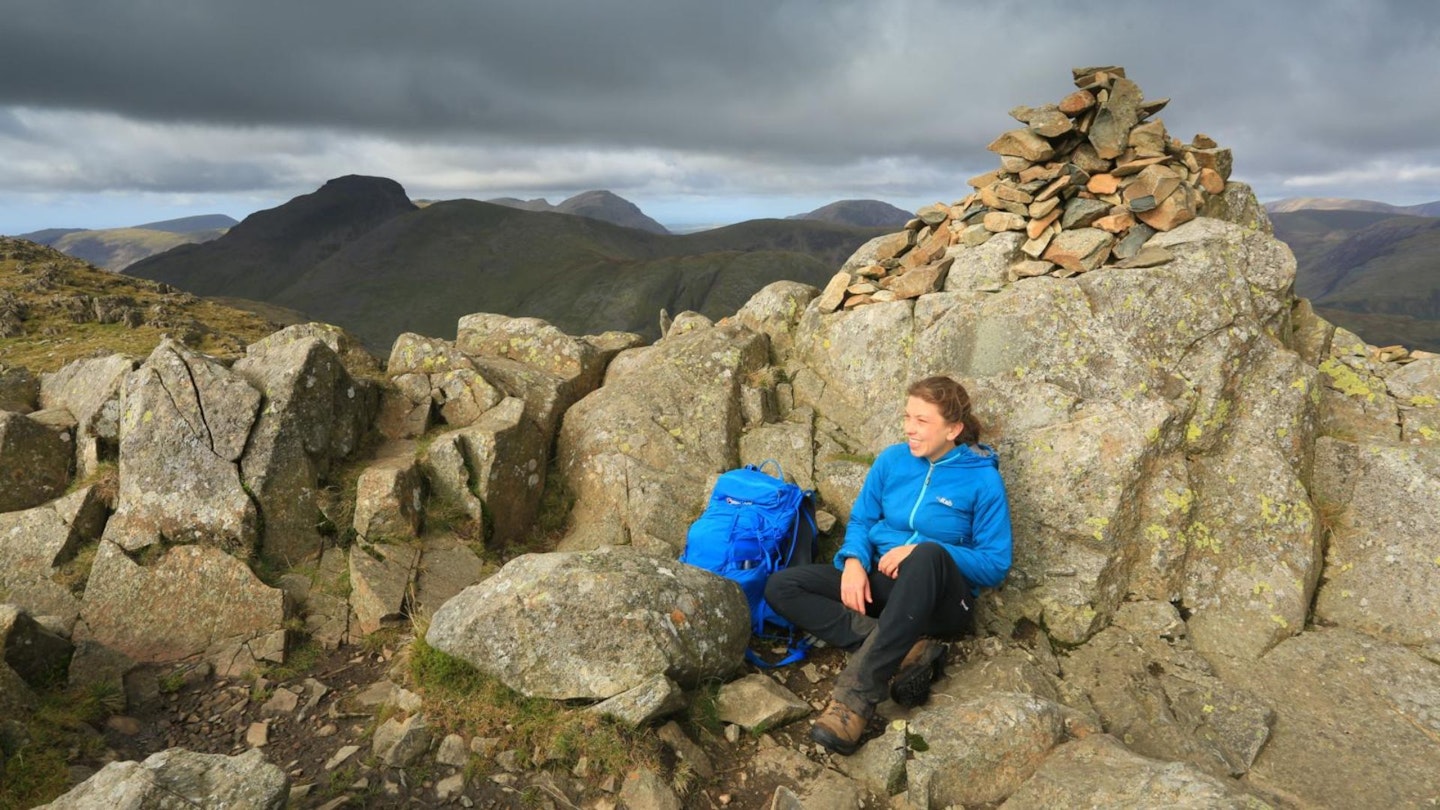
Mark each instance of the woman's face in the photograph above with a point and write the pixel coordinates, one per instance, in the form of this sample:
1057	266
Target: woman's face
926	431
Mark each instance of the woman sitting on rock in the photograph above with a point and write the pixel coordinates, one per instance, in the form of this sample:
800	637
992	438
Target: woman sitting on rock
931	527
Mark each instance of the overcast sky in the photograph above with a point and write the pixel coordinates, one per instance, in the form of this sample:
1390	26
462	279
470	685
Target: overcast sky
115	113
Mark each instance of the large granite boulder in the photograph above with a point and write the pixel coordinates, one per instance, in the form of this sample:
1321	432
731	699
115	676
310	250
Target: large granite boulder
314	414
184	423
494	466
19	390
389	495
34	543
177	779
639	452
34	462
37	655
595	624
381	577
90	391
188	600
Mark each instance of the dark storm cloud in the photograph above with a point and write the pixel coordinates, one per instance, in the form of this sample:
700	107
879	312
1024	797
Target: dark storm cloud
1297	88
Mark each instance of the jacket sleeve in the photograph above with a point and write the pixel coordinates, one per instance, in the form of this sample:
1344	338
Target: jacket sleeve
866	512
986	563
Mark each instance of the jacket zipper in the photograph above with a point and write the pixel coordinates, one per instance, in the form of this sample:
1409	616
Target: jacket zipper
919	499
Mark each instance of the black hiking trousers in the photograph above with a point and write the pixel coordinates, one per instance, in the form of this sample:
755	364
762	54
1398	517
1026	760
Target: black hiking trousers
930	597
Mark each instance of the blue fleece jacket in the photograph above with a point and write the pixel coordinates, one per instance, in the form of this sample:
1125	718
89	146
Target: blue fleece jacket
958	502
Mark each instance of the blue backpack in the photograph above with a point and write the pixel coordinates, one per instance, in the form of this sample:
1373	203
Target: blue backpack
754	525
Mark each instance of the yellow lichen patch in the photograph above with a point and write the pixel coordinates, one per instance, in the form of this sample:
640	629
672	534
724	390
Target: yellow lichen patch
1201	537
1424	401
1193	432
1278	619
1345	380
1097	526
1181	501
1156	533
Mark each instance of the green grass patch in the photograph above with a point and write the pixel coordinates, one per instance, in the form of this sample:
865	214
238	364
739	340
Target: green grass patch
299	661
75	572
53	291
36	768
462	699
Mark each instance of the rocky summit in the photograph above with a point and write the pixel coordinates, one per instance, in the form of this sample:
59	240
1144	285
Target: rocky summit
292	575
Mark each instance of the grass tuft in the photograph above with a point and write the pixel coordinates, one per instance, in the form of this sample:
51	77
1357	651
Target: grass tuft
460	698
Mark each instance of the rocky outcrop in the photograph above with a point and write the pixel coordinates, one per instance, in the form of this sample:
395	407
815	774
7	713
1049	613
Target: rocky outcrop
503	386
639	452
177	779
595	624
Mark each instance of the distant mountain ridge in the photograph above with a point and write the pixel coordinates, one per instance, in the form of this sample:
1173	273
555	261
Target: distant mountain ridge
359	254
860	213
603	205
1291	205
115	249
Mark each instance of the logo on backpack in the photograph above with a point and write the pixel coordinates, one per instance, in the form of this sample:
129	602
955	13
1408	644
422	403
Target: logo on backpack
754	525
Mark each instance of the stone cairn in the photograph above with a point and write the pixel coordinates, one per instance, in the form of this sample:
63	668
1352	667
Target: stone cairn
1087	180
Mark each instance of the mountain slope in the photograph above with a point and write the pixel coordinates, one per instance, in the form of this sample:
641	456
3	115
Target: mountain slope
860	213
270	249
420	272
1383	267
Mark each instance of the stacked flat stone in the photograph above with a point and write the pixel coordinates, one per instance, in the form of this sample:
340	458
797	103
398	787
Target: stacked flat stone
1088	181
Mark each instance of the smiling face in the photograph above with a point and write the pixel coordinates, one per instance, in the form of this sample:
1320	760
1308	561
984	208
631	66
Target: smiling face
927	432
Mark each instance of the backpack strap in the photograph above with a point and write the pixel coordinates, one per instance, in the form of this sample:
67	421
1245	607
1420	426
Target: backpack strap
779	473
795	653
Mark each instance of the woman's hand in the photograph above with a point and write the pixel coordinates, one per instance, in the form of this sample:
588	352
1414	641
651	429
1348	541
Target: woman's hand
889	564
854	585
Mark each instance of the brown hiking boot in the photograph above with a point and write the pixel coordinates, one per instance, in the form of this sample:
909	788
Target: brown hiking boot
922	665
840	727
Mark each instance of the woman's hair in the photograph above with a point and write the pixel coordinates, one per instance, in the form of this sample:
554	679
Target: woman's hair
954	403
